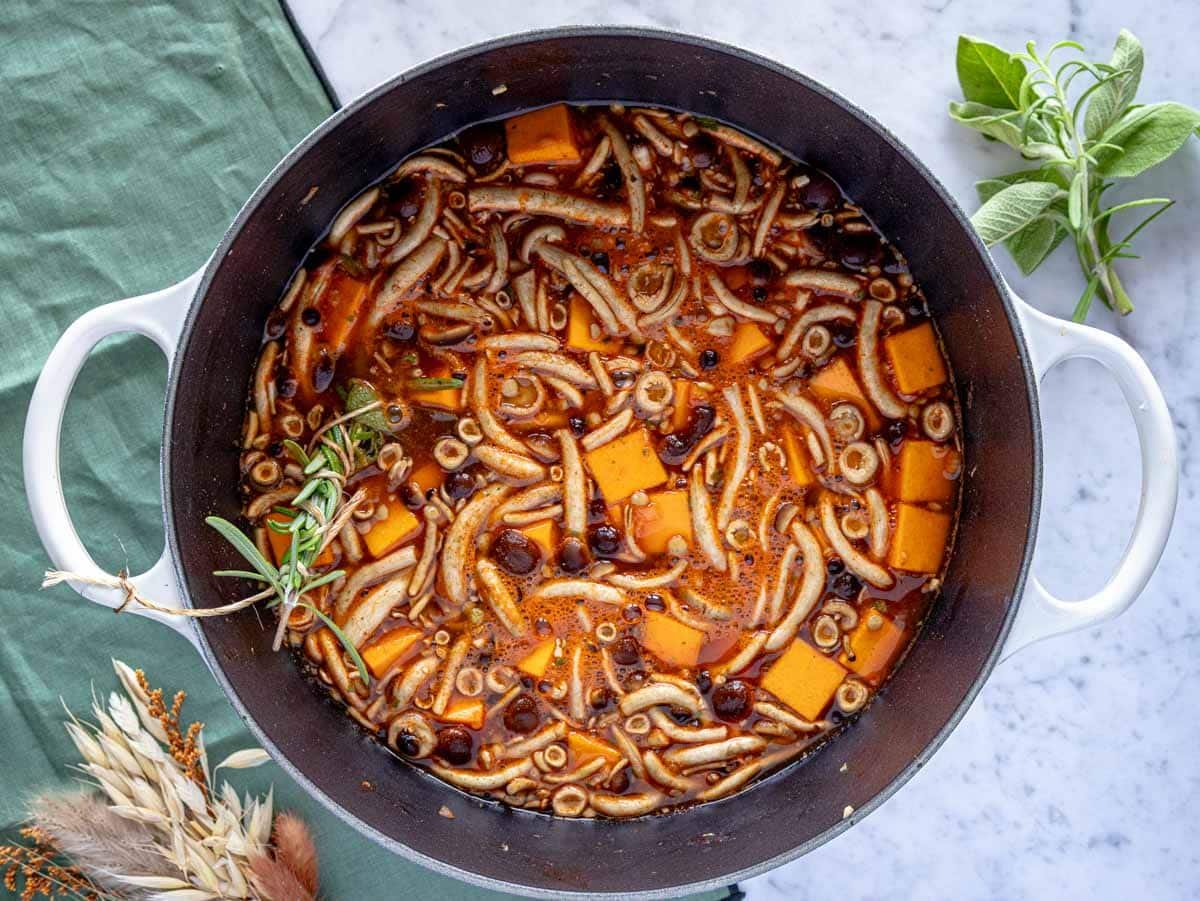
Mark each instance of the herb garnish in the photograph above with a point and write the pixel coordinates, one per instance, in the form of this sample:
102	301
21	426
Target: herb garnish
1083	140
316	514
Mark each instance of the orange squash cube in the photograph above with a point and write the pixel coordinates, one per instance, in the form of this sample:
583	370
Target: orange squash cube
428	475
584	747
682	408
916	359
835	381
388	534
926	471
748	342
280	542
448	399
919	542
625	465
537	661
580	320
467	712
804	679
798	463
342	303
541	136
671	641
544	534
665	516
390	647
874	649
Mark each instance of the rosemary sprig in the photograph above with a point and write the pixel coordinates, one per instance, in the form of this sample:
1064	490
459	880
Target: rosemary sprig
316	514
1083	140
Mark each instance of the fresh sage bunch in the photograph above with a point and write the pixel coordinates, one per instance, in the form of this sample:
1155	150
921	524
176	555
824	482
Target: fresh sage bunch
1078	122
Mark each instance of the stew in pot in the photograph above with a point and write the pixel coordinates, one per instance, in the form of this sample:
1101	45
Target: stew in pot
631	450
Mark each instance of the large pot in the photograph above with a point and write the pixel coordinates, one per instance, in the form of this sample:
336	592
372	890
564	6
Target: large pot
209	326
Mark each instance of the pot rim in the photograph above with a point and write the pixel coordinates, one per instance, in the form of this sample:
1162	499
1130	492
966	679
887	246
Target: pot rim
329	125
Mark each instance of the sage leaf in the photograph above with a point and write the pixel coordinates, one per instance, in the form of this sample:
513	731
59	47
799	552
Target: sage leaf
1112	98
1001	125
1036	241
360	394
987	74
1012	209
1146	135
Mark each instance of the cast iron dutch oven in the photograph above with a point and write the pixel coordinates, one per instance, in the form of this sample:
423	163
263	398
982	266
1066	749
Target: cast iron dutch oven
210	327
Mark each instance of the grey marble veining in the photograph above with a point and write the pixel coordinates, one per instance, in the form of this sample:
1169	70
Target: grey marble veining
1077	772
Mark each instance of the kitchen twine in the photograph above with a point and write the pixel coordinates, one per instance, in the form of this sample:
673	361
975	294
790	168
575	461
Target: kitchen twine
123	583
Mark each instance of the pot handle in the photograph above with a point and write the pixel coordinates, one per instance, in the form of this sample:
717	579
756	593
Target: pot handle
159	316
1051	341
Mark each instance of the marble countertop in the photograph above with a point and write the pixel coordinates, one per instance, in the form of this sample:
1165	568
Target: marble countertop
1077	772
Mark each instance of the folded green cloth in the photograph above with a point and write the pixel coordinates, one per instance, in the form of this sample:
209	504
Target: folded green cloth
130	133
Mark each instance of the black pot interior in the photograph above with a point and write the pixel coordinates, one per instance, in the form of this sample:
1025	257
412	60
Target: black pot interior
799	807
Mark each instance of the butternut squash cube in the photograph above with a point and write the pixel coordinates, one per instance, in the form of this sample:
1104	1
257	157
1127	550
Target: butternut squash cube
682	409
798	463
671	641
536	662
916	359
388	534
748	342
584	747
804	679
925	471
580	320
448	399
382	653
281	541
467	712
666	515
835	381
625	465
919	542
874	649
343	301
428	475
541	136
544	534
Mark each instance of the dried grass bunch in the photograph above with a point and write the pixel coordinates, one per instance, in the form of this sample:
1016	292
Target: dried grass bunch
159	827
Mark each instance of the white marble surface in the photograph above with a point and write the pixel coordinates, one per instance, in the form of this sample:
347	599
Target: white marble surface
1077	773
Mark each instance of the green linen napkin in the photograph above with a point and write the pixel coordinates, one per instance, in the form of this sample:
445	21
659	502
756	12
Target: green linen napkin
130	133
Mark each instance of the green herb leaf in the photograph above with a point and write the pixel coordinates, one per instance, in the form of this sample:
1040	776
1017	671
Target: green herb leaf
433	384
244	546
987	74
1012	209
360	394
1112	98
295	451
240	574
1147	135
1084	135
1036	241
346	643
